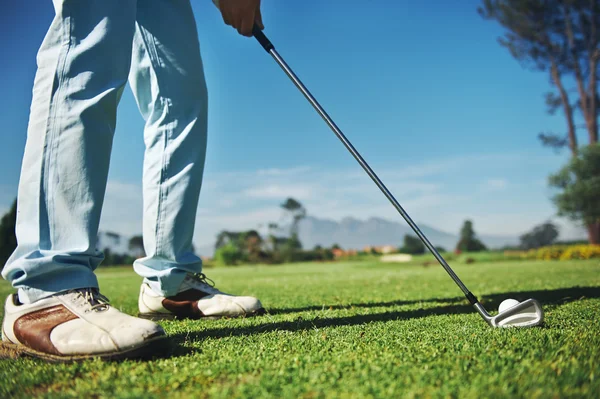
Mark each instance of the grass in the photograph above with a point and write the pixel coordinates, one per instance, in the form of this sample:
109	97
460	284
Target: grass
358	329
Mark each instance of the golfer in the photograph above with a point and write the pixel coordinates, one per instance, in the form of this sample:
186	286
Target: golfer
92	49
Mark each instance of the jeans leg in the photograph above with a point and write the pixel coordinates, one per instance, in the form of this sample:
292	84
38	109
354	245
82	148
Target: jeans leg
83	64
167	79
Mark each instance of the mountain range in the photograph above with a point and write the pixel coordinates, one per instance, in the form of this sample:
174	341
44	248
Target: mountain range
349	233
354	233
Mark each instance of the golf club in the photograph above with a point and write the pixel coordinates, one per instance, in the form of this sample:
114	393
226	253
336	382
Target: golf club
524	314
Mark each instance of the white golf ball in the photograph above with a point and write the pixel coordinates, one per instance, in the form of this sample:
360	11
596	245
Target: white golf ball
507	303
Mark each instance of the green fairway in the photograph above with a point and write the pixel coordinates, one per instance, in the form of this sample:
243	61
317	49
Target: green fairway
355	330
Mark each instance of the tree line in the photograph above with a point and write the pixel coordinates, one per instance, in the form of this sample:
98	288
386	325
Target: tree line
542	235
249	246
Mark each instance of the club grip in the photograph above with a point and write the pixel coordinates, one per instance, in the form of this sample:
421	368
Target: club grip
262	39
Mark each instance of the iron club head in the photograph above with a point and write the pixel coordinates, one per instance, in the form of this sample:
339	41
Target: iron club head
528	313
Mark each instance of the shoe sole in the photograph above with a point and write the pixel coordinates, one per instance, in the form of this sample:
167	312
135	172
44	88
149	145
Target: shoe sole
171	316
153	347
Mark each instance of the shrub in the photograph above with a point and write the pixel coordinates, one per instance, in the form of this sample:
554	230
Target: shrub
412	245
469	260
552	252
564	252
308	256
581	252
228	255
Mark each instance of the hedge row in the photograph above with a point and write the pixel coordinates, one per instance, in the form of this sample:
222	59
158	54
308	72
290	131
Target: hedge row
564	252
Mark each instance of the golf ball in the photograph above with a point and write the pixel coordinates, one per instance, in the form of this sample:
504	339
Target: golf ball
507	303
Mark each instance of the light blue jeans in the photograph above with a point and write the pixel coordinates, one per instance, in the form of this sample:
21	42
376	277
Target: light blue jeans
91	50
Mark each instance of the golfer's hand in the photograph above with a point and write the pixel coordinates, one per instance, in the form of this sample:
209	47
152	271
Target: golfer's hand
241	14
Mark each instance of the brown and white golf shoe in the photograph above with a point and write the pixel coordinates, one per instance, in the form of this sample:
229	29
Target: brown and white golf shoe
77	325
197	299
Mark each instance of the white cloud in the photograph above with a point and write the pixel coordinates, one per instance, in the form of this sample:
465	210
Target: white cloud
495	184
283	172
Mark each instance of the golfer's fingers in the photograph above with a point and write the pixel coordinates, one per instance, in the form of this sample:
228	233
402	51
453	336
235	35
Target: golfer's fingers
226	17
246	24
258	18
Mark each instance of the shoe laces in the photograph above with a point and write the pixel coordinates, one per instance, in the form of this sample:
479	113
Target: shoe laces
93	298
203	278
207	283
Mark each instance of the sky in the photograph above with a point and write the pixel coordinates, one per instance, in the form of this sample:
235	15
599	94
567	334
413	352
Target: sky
438	108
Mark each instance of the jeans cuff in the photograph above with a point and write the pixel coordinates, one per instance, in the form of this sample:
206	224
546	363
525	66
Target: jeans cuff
165	277
31	294
167	286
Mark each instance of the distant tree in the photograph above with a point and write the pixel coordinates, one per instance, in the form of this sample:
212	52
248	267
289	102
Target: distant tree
249	245
291	250
8	239
250	242
323	254
115	237
228	255
336	246
412	245
272	240
296	212
108	257
276	243
540	236
225	237
327	254
136	246
441	249
294	243
287	249
468	240
561	37
579	185
123	260
108	240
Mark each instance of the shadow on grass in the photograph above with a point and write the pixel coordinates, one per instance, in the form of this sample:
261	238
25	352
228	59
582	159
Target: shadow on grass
546	297
314	308
177	347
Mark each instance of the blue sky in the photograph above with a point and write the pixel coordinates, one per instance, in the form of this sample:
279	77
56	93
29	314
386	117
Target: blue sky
423	90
